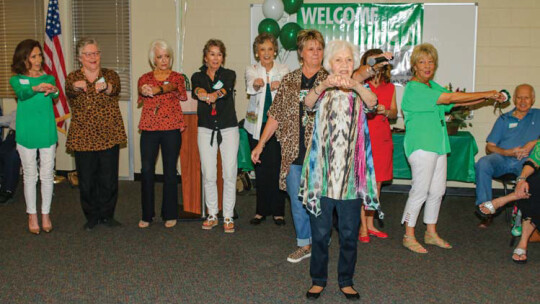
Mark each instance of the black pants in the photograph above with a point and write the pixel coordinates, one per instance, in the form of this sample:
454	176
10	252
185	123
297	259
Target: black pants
530	208
270	199
98	182
10	163
170	142
348	212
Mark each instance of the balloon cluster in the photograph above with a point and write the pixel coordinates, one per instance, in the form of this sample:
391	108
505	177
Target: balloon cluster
273	10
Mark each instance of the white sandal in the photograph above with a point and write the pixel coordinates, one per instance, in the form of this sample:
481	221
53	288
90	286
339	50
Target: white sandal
519	252
489	206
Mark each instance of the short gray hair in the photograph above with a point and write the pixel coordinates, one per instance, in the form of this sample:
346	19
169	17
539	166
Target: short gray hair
84	42
335	46
163	45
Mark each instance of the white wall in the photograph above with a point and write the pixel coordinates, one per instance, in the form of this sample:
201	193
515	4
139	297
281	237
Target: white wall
508	42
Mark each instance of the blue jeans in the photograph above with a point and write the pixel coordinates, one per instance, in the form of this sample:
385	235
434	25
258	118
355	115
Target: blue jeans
491	166
348	212
299	213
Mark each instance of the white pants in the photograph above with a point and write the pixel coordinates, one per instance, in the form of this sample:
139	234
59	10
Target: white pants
428	185
208	155
30	173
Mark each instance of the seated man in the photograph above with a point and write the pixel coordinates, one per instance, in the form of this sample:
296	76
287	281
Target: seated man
511	140
10	163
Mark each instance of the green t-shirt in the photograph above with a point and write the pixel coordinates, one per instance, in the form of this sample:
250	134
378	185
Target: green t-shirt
424	118
36	126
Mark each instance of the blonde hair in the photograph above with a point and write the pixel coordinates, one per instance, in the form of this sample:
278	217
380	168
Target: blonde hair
163	45
335	46
424	49
306	35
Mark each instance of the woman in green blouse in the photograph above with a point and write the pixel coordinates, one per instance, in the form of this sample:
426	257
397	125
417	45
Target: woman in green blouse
426	142
36	128
527	192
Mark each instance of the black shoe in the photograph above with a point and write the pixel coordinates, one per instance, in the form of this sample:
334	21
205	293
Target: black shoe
351	296
5	197
279	221
91	224
257	221
110	222
313	295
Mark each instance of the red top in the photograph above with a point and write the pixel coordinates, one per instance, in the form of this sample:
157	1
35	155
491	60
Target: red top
380	133
163	111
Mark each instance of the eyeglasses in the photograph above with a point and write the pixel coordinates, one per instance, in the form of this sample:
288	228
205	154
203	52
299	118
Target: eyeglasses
94	54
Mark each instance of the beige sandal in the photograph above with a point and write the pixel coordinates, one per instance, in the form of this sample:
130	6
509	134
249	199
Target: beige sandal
412	244
434	239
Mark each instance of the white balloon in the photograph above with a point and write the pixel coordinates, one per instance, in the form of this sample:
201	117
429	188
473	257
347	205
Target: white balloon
273	9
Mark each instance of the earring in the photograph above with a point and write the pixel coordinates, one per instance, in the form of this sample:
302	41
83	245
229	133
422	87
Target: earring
256	56
275	54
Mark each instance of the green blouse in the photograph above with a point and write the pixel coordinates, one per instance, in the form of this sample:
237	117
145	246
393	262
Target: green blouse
535	155
36	126
425	125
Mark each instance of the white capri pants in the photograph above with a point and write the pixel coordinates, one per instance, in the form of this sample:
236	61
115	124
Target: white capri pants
428	185
208	155
30	174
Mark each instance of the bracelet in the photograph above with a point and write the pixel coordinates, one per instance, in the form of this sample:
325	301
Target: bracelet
386	113
520	178
315	91
220	93
372	110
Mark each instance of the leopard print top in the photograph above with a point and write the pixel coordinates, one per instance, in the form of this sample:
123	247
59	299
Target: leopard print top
286	111
96	122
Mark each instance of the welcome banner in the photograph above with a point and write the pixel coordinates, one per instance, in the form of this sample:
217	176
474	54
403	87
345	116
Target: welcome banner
395	28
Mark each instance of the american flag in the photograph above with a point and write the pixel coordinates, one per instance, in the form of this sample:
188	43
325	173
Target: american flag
54	62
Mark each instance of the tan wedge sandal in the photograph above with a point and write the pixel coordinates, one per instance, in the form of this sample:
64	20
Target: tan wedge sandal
435	239
412	244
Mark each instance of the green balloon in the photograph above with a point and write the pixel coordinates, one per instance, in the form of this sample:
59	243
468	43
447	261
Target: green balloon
270	26
288	35
292	6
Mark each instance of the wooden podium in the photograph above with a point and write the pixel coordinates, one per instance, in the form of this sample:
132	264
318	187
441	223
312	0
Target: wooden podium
190	163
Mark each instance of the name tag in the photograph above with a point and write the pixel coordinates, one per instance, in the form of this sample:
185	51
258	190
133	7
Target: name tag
24	81
218	85
512	125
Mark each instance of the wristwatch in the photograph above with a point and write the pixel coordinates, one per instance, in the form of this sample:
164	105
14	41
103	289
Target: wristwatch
520	178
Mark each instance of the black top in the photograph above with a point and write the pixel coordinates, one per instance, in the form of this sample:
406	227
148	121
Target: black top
225	113
305	86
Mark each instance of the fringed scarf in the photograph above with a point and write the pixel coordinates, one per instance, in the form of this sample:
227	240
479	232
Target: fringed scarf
358	178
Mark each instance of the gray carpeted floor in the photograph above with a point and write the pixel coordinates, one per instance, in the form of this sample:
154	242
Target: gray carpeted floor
187	265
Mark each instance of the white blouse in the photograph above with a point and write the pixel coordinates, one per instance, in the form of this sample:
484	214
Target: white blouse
254	115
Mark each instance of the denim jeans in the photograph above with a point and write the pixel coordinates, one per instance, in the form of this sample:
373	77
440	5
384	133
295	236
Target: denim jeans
299	213
348	212
491	166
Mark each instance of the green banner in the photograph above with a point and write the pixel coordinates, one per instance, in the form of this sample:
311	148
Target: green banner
395	28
